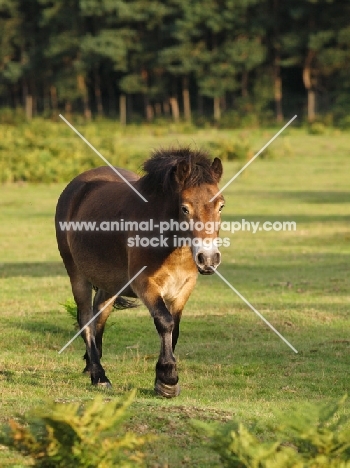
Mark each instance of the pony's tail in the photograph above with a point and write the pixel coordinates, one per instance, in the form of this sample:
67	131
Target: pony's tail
122	302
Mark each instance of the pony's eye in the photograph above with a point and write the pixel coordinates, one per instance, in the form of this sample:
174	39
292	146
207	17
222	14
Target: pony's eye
185	210
221	207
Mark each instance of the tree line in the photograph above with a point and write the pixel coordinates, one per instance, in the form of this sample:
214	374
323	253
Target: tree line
176	58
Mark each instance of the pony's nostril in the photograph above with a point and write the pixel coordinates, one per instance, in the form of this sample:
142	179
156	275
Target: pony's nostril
201	259
217	259
208	261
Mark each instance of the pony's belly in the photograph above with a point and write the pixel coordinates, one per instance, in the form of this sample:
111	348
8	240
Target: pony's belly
110	276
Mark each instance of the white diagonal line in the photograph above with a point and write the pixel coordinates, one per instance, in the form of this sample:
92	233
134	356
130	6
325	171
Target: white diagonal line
103	158
112	299
256	311
253	158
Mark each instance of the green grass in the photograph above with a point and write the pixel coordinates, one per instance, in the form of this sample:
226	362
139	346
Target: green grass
46	151
230	363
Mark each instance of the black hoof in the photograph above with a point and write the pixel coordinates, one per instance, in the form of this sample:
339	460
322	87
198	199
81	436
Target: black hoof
166	391
101	382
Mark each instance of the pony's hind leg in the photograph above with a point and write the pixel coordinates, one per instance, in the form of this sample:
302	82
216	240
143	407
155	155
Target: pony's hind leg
82	292
100	302
176	330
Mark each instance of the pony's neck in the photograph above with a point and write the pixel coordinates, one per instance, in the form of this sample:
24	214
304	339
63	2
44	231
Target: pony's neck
164	204
165	207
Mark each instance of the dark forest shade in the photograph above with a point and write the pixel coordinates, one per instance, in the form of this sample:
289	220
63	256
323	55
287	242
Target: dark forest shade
192	59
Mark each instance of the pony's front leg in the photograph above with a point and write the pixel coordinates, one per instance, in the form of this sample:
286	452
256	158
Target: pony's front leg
148	290
167	379
166	382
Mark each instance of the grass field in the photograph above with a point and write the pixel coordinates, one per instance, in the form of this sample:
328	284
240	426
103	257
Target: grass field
230	363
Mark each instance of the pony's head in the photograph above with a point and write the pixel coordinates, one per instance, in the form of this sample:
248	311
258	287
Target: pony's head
194	178
201	210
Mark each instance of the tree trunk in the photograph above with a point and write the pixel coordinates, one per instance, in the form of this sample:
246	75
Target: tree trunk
10	101
174	108
98	94
130	106
24	93
148	109
308	83
122	109
29	106
244	83
200	105
35	97
217	109
186	99
111	100
223	103
158	109
16	96
85	97
35	105
149	112
46	101
276	70
54	100
277	86
166	107
15	102
68	109
311	105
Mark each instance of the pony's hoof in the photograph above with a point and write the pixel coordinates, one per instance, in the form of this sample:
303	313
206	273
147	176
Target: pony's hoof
165	390
104	384
101	382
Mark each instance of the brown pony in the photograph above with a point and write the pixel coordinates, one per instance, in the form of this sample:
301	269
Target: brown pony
178	185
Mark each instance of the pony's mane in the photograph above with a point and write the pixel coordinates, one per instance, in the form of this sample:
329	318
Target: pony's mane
160	169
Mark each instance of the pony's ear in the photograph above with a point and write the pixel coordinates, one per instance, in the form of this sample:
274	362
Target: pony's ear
216	168
182	172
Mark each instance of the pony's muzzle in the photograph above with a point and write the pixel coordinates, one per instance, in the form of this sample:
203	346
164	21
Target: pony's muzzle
207	261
